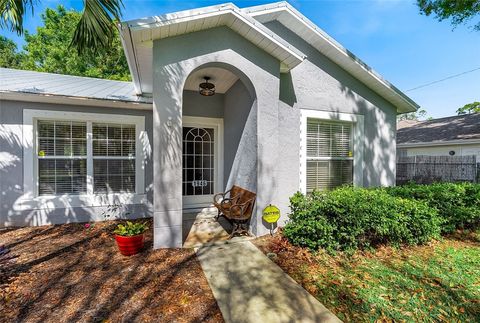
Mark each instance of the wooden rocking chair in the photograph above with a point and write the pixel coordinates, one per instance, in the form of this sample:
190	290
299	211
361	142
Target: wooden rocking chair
236	205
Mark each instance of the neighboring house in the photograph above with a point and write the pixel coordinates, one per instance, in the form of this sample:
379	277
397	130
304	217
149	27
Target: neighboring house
450	136
293	110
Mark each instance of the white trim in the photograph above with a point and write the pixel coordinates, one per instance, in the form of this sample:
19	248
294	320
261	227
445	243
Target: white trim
72	100
31	200
315	36
135	33
217	124
358	141
440	143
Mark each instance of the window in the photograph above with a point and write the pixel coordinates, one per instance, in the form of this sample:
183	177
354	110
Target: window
62	157
329	154
113	158
83	155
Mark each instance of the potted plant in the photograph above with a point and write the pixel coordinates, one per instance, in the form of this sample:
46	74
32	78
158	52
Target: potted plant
130	237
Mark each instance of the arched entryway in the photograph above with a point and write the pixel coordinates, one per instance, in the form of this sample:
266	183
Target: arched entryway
256	164
218	147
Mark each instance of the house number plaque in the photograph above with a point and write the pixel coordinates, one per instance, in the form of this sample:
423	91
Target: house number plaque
199	183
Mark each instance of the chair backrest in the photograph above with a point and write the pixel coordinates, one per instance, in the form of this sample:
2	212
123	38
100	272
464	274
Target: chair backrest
243	195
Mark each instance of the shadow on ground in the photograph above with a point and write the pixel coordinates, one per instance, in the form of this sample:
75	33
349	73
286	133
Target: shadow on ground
67	273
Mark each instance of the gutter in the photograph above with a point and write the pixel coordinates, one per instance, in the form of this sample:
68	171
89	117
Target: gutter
73	100
439	143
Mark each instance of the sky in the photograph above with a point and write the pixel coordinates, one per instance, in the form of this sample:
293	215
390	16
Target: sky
406	48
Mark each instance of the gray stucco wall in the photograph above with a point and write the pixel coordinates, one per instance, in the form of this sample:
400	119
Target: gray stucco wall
240	132
259	72
11	170
319	84
196	105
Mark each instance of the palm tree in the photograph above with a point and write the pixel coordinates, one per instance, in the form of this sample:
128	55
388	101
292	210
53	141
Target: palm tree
94	31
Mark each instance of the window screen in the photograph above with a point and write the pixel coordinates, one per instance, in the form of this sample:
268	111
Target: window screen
113	157
329	154
62	157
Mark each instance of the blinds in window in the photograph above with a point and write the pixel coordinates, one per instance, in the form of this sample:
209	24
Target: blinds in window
113	158
329	154
62	153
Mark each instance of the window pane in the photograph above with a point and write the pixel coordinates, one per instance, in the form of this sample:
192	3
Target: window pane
114	132
79	130
128	148
128	132
328	139
46	129
113	140
63	129
328	174
46	147
113	175
99	131
55	138
62	176
100	148
79	147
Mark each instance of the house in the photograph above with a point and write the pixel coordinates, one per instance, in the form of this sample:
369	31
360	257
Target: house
292	110
450	136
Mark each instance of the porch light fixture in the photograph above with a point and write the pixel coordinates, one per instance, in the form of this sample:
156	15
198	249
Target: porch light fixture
205	88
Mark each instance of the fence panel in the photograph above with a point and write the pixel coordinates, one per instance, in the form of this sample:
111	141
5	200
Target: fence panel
429	169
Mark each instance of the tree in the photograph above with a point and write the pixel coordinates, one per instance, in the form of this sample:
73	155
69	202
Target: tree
469	108
417	115
94	30
458	11
48	50
9	56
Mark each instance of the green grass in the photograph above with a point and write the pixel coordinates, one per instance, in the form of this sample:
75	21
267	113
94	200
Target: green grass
439	282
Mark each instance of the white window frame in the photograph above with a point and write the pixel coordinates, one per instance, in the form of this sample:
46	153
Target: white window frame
30	161
357	121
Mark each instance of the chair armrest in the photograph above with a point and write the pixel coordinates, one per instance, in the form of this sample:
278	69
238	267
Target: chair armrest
215	197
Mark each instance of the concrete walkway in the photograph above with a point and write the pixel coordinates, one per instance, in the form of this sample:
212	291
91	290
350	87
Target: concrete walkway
249	287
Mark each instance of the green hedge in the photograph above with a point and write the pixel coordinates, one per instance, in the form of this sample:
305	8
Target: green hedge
350	218
458	204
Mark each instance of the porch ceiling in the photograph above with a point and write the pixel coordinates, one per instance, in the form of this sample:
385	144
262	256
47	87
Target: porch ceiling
222	78
138	36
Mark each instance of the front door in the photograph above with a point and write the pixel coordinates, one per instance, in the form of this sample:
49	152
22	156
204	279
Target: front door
202	161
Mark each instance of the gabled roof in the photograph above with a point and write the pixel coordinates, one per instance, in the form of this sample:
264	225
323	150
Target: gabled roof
30	86
137	36
312	34
459	129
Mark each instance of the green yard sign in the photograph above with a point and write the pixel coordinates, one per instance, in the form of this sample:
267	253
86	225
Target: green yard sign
271	214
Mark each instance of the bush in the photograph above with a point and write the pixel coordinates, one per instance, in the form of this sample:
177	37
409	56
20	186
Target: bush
458	204
350	218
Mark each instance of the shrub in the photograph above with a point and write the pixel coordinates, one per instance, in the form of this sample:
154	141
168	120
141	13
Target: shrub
130	229
458	204
350	218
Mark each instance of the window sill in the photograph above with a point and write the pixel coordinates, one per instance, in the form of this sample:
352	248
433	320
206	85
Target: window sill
27	202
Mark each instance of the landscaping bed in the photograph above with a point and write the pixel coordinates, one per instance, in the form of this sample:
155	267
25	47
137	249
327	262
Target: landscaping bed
435	282
68	273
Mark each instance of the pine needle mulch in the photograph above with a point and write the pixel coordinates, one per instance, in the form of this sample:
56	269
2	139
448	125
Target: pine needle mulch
68	273
438	282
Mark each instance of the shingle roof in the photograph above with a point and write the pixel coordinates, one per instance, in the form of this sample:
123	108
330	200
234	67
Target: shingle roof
463	127
20	81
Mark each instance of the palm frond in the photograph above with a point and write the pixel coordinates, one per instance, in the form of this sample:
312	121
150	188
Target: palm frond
12	13
96	28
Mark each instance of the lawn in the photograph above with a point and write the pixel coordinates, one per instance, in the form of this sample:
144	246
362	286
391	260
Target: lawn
68	273
437	282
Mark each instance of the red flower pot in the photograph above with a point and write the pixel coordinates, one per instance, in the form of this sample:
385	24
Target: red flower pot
130	245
